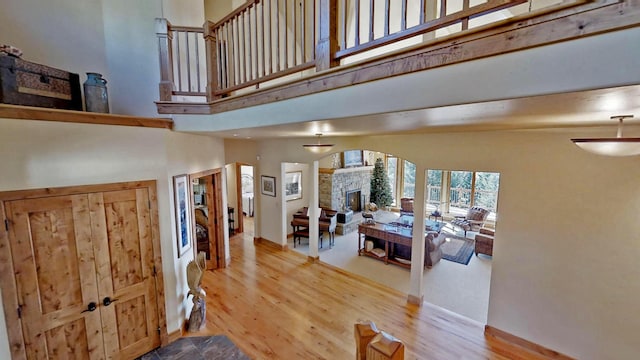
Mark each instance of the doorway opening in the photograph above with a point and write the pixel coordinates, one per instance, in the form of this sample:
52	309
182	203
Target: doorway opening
208	216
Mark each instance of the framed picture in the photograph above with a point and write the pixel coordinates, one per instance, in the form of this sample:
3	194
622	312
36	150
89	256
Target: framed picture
293	185
268	185
181	190
352	158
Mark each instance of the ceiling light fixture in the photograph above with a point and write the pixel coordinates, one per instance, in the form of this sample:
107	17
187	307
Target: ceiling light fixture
318	148
618	146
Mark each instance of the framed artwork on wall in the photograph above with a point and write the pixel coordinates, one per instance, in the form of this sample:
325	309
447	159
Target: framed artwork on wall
268	185
293	185
181	190
352	158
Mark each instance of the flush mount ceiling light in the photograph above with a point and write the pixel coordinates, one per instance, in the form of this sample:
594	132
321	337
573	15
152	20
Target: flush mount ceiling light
618	146
318	148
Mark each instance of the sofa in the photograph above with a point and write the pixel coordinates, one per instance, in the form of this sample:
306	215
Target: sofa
327	222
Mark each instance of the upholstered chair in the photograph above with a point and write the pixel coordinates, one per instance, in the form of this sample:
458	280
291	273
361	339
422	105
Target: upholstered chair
406	206
484	242
473	221
433	241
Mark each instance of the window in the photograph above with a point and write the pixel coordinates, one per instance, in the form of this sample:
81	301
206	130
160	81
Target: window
408	179
392	168
454	192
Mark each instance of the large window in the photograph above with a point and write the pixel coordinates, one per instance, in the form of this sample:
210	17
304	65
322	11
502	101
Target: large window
392	170
408	179
454	192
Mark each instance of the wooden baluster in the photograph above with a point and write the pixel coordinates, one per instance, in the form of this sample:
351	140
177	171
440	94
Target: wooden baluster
422	11
443	8
313	32
465	21
178	80
250	45
343	23
277	14
234	61
387	10
403	20
262	41
327	44
286	34
165	38
245	56
187	58
357	15
255	43
212	62
294	27
371	18
198	89
302	32
269	43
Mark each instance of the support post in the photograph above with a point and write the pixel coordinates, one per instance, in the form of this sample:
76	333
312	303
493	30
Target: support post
416	281
211	45
327	45
165	38
314	214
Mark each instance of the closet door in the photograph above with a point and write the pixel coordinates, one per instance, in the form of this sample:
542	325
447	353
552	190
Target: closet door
55	277
122	243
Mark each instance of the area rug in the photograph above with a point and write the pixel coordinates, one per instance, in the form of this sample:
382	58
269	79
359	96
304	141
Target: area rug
217	347
457	250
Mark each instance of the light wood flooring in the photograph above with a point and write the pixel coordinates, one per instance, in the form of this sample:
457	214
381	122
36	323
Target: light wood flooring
275	305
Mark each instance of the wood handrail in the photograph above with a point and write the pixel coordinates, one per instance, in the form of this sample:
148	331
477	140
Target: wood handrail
186	28
235	13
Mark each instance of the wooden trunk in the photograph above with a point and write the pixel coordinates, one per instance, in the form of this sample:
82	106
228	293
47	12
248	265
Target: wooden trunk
26	83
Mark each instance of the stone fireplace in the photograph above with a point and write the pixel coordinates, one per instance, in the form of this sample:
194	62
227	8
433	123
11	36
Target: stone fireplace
342	189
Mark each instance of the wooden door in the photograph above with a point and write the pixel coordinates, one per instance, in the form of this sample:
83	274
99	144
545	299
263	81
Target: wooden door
76	250
55	277
126	284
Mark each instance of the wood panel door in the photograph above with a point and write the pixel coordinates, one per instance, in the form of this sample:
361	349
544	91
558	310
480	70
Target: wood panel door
55	277
125	268
84	268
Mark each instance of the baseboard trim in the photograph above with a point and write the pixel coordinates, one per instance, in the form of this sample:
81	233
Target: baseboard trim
416	300
313	259
174	336
271	244
523	343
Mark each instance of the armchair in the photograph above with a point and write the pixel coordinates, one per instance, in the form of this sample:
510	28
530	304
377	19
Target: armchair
406	206
473	221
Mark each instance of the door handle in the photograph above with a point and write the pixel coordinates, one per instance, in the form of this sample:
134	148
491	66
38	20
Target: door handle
107	301
91	307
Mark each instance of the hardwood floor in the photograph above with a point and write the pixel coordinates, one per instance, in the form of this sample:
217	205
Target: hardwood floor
275	305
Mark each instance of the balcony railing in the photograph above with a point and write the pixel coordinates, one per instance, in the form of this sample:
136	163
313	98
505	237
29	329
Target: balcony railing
182	60
266	41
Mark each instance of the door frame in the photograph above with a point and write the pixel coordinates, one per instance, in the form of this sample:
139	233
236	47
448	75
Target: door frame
215	211
7	270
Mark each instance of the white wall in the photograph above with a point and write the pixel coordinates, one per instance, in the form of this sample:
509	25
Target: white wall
565	256
67	35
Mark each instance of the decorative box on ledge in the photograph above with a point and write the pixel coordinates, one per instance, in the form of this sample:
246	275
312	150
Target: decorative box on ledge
26	83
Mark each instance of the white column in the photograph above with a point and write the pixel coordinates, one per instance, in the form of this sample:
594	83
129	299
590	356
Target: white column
416	283
314	202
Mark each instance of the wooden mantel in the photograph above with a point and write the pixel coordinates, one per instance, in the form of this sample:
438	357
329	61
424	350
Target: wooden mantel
46	114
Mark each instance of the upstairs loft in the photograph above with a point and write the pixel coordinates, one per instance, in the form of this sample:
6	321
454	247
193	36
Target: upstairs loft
267	52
